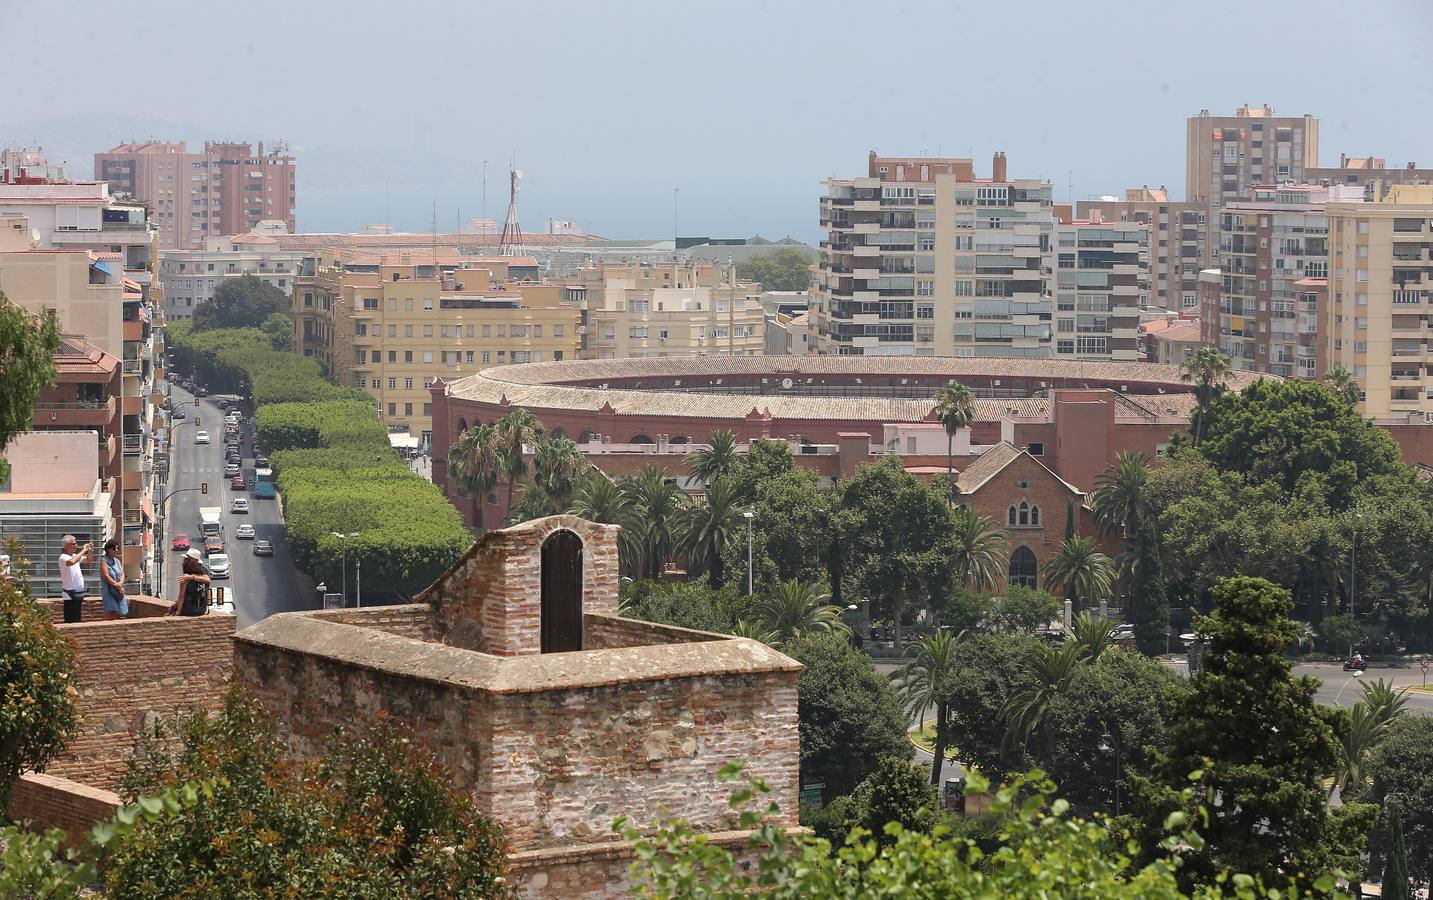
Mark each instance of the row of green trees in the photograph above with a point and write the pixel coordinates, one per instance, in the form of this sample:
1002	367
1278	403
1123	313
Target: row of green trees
336	470
882	536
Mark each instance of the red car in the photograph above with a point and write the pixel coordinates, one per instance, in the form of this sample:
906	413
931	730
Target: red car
181	542
237	483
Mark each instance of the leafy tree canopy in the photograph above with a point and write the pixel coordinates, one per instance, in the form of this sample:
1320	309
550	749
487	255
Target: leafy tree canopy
243	302
27	346
37	694
1281	432
1402	771
850	717
783	270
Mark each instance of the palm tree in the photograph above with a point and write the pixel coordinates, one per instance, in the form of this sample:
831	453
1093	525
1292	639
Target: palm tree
954	408
1025	711
1082	572
1121	502
716	460
925	681
755	631
515	429
980	550
472	466
1368	722
1207	368
1093	636
709	527
796	607
558	465
1342	382
598	498
656	506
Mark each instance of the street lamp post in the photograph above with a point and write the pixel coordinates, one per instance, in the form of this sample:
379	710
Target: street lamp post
748	515
343	561
1112	742
1352	574
358	581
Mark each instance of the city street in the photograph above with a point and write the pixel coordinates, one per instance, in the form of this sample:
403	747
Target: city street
260	586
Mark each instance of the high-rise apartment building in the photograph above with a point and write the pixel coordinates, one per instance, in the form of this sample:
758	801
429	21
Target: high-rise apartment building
1101	287
1268	245
1380	297
227	189
190	277
1226	157
393	324
922	258
1178	232
673	309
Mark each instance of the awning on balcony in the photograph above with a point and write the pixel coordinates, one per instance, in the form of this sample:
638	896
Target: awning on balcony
147	506
103	267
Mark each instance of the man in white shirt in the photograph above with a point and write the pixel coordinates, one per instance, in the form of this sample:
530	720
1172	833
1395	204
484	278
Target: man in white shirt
72	575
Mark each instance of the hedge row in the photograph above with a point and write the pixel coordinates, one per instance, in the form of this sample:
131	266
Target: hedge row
335	468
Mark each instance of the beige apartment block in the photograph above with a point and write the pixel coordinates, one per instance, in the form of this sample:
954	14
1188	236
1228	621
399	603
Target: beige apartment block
393	324
1380	297
922	258
1178	231
672	309
1227	156
1102	287
1363	170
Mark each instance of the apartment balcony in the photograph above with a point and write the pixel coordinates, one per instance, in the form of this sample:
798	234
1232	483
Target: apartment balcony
866	205
866	296
77	413
866	227
133	444
132	406
1406	377
866	274
131	481
866	250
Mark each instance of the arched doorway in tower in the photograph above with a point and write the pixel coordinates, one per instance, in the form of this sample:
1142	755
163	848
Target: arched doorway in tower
1022	568
561	605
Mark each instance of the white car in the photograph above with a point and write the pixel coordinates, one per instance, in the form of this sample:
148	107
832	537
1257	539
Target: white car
231	469
239	505
201	437
218	565
244	532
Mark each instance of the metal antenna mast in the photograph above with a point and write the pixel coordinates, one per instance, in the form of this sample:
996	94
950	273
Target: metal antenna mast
511	242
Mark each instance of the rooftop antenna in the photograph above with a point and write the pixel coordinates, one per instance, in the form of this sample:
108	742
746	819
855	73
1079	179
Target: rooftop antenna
511	242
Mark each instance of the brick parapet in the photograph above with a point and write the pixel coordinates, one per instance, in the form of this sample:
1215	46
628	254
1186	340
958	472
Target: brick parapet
132	672
52	801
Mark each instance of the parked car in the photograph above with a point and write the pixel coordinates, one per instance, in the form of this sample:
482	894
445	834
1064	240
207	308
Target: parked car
263	548
201	437
180	542
261	462
218	566
244	532
237	483
231	469
239	505
213	544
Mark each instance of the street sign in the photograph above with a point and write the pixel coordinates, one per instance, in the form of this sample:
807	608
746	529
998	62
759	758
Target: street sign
332	601
811	794
1423	664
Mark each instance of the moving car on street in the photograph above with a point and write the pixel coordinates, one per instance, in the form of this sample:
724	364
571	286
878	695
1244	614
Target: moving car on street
236	483
218	566
244	532
239	505
263	548
201	437
181	542
213	544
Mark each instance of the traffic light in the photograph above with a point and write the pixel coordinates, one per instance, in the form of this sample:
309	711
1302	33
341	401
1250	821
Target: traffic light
197	423
203	487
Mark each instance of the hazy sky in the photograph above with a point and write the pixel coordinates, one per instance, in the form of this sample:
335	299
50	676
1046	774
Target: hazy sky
745	106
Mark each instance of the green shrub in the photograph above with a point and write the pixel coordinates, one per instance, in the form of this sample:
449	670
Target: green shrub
376	818
37	666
